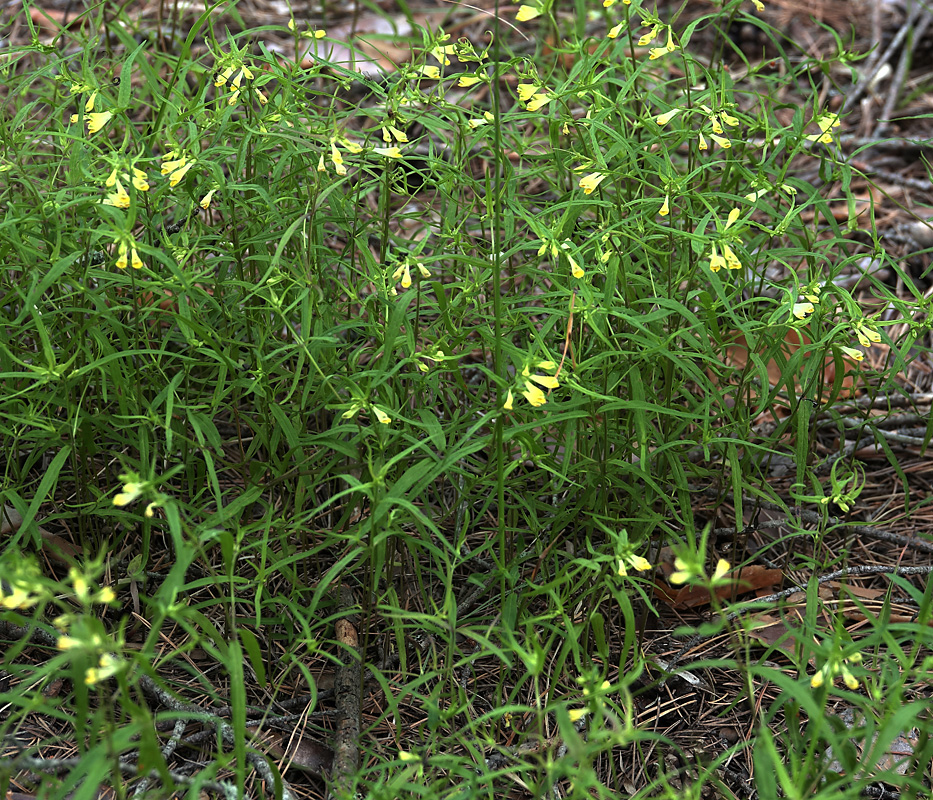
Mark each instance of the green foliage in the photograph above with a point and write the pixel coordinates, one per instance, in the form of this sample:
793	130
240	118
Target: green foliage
270	328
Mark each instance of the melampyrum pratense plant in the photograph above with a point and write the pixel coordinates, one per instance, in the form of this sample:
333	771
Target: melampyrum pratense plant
382	331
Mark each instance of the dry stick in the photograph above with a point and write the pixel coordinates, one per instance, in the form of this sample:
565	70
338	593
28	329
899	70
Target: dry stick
848	572
897	83
868	79
56	765
226	731
347	690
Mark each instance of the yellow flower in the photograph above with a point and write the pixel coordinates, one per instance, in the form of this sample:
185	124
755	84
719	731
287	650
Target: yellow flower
759	6
89	105
321	166
126	252
703	144
649	36
475	123
866	336
732	260
817	680
638	562
716	261
526	91
547	381
526	13
381	415
803	310
98	120
615	30
392	132
68	643
722	569
576	714
683	572
119	198
724	143
337	159
176	169
466	81
16	598
849	679
851	352
206	200
140	181
826	122
589	182
656	52
107	668
666	207
406	276
539	101
507	405
731	121
533	394
670	46
388	152
432	73
663	119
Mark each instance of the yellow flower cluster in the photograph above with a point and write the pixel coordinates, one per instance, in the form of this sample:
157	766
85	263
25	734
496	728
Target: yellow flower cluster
531	385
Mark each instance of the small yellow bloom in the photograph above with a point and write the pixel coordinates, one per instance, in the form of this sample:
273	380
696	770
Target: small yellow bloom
731	121
388	152
703	144
507	405
649	36
381	415
291	24
466	81
615	30
320	33
106	595
547	381
140	181
533	394
732	260
866	336
119	198
431	73
817	680
67	643
663	119
526	13
724	143
733	216
683	572
826	122
176	169
722	569
576	714
666	207
539	101
670	46
656	52
406	276
849	679
803	310
206	200
589	182
98	120
394	133
321	166
716	261
759	6
337	159
526	91
851	352
640	563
